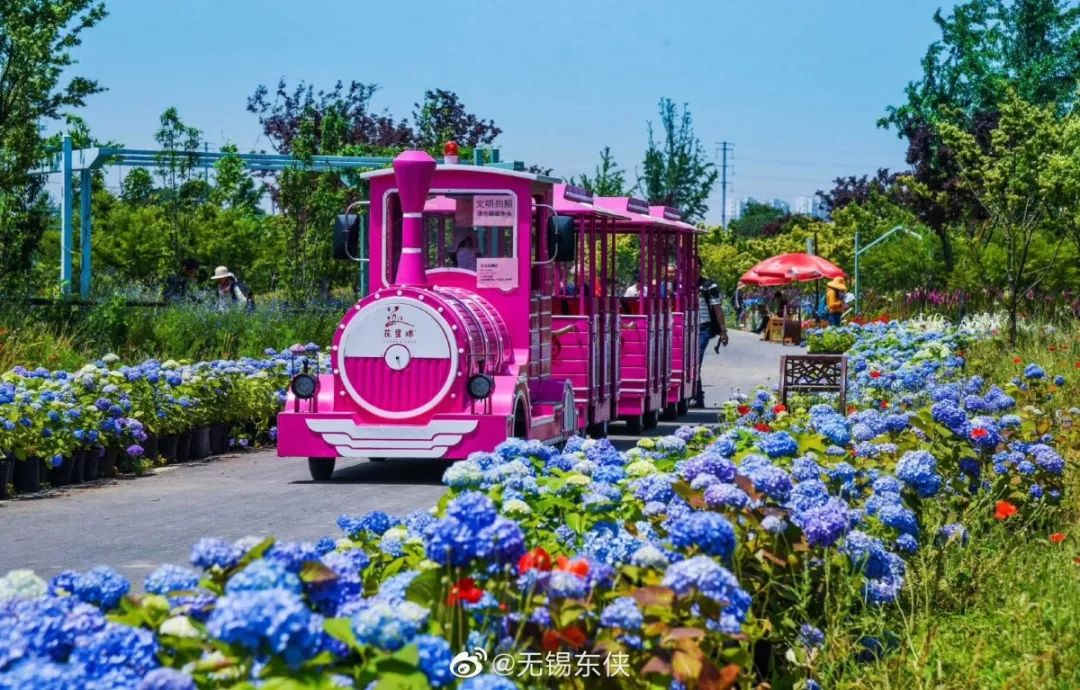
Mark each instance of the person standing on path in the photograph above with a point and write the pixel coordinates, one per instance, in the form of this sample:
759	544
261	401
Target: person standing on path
710	324
834	300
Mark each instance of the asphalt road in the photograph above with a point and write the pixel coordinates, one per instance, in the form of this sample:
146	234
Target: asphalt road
137	524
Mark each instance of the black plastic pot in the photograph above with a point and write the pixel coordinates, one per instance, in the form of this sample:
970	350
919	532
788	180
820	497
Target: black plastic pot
167	447
183	447
107	464
219	438
7	467
61	474
150	448
92	460
27	476
78	467
200	443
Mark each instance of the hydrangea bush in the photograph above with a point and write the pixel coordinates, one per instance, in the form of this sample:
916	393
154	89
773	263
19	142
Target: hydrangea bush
52	414
708	558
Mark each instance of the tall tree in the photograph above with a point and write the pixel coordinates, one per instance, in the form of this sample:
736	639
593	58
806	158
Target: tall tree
36	40
608	180
442	117
676	170
334	119
1026	182
986	49
177	161
754	221
233	186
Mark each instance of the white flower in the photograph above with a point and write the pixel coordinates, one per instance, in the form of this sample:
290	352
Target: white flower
516	507
178	626
22	584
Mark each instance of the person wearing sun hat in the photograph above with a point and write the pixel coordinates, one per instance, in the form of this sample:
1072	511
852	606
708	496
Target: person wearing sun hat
232	292
834	299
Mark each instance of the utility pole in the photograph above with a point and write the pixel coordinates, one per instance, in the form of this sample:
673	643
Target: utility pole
724	147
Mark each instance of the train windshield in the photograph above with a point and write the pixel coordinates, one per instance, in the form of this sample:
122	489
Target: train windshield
459	229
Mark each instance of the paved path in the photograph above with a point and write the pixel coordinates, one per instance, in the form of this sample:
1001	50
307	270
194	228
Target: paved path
135	525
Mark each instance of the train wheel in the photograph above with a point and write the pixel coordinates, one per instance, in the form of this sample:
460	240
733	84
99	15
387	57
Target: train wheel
322	469
670	413
650	419
634	424
598	430
682	408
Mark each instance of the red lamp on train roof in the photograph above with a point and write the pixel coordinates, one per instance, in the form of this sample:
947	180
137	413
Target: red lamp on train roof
450	152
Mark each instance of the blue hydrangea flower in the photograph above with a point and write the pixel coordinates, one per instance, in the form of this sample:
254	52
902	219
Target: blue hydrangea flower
823	525
208	553
708	578
918	469
435	656
166	679
268	621
778	445
722	494
102	586
622	613
170	578
263	574
389	627
707	531
810	636
1034	371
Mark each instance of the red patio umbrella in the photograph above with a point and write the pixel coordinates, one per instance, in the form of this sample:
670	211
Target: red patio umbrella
796	267
752	277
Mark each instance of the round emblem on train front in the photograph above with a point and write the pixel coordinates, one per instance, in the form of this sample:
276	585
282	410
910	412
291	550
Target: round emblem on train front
397	357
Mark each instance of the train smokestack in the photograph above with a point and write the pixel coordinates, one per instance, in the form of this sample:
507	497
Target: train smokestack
413	171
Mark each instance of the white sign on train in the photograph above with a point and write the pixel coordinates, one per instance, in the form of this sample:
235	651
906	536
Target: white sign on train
493	210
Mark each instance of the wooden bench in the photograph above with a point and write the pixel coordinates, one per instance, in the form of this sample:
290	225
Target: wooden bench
814	374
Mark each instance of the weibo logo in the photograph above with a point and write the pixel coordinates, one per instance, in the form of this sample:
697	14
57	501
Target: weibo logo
396	327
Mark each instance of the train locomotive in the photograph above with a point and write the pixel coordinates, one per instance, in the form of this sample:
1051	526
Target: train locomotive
493	312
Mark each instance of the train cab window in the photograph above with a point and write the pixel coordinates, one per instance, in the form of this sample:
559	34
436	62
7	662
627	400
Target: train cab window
459	229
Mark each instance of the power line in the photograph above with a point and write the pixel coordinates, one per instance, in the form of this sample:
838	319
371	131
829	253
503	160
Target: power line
724	148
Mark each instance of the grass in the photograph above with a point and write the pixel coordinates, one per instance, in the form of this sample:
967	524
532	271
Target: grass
1003	612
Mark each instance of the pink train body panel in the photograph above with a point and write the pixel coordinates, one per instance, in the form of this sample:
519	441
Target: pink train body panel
479	327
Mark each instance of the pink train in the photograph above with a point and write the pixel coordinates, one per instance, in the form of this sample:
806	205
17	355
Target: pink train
494	313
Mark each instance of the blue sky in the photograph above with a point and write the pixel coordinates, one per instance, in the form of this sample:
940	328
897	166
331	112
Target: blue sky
796	85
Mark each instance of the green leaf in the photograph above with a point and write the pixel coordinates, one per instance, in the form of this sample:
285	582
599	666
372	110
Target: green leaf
341	630
575	521
425	588
314	572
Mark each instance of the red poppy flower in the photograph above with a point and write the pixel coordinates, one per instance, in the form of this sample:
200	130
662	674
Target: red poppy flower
1051	348
1057	537
1017	360
875	374
762	426
978	433
1004	510
780	408
743	410
884	404
1077	560
571	636
536	559
851	409
578	566
464	589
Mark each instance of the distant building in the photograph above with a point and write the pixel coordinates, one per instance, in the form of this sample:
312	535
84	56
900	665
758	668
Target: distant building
813	206
781	205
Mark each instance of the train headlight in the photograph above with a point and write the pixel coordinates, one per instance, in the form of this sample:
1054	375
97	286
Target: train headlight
303	386
481	386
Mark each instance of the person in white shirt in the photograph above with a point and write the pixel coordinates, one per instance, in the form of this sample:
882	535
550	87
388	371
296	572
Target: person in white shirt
634	290
465	255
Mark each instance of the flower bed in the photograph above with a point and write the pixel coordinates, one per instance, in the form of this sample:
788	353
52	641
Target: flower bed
106	410
703	559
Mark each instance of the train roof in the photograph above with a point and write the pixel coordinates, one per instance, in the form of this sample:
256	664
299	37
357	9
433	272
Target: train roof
484	169
571	200
639	213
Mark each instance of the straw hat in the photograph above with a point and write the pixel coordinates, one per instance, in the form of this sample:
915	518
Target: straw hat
837	284
221	273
